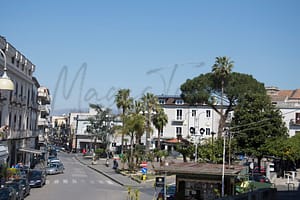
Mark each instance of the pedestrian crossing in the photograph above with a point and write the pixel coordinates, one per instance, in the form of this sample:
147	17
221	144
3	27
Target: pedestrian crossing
79	181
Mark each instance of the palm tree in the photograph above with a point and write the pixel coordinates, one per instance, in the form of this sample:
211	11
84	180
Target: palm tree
150	103
138	110
159	119
123	101
221	69
133	126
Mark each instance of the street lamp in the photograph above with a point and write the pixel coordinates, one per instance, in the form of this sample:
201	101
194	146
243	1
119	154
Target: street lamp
5	82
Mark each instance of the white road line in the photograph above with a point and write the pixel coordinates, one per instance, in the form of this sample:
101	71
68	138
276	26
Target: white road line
56	181
100	181
109	182
65	181
47	182
74	181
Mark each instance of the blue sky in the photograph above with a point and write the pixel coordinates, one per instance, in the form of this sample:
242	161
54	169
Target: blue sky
150	46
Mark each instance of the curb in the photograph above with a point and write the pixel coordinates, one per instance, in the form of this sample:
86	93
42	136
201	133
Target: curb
106	175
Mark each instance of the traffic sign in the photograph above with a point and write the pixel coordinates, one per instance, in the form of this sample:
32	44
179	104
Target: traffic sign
143	164
160	181
144	170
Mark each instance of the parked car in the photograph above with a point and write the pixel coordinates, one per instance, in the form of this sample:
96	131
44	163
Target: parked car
25	185
55	168
259	178
170	193
17	187
37	178
7	193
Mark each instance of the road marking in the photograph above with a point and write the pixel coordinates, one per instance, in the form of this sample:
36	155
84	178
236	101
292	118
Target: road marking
74	181
92	182
47	182
65	181
100	181
109	182
56	181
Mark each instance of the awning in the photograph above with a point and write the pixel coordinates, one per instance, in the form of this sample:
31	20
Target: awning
30	150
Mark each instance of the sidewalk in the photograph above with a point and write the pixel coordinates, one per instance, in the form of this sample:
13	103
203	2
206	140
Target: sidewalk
123	180
287	183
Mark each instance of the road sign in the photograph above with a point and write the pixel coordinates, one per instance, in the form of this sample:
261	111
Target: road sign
144	170
143	164
160	181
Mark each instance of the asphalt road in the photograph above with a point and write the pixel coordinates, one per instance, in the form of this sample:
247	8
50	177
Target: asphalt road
78	182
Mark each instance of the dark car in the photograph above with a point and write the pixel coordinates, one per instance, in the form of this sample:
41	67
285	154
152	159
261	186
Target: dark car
259	178
37	178
17	187
7	193
25	184
170	193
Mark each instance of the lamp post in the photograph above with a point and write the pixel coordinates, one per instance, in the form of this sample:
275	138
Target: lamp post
223	165
5	82
165	183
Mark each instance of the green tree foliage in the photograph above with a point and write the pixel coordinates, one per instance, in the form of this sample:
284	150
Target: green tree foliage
134	124
257	124
160	120
228	87
150	103
124	102
100	124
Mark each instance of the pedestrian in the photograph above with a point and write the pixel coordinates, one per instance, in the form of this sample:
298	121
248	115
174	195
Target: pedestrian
115	164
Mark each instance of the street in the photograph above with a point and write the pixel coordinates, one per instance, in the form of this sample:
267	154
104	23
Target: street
77	182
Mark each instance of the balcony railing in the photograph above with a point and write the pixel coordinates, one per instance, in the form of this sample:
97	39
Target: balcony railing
294	122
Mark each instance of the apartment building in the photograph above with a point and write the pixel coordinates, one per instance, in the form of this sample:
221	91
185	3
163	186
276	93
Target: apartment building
288	101
18	108
192	123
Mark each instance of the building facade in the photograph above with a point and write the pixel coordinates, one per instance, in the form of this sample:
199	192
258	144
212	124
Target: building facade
288	102
19	108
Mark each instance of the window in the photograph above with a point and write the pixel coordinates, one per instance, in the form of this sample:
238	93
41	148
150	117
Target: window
194	113
161	101
178	131
207	131
13	60
179	114
208	113
179	102
297	118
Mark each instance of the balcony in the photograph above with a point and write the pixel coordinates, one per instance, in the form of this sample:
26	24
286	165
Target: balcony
44	109
294	122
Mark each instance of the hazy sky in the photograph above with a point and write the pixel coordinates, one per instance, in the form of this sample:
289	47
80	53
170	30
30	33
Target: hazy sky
84	51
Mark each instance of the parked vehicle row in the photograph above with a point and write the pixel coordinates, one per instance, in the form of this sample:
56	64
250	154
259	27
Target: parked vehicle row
18	187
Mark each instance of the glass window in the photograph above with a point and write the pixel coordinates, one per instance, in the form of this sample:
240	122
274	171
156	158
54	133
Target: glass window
179	114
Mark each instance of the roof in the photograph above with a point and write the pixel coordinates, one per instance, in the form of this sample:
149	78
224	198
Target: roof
176	140
201	169
284	95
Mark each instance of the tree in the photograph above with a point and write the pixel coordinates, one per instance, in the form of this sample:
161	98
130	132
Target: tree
205	88
160	120
123	101
221	69
134	123
150	102
256	124
99	124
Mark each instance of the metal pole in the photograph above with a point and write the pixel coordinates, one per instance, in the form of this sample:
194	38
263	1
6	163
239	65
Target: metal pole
223	167
196	151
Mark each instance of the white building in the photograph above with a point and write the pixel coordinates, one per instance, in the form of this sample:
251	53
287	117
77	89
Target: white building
288	101
19	108
184	119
